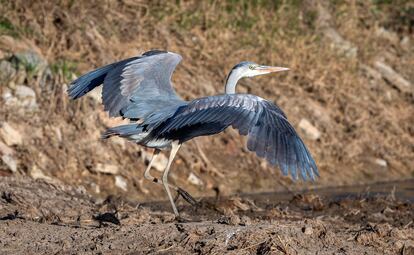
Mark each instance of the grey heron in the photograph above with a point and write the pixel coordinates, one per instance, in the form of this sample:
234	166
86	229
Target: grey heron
140	89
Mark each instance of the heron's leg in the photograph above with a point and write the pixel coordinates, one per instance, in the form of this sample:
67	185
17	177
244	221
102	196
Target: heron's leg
147	174
180	191
175	147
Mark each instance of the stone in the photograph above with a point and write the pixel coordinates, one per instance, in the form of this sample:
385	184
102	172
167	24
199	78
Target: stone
31	60
309	130
8	97
10	135
10	162
381	162
389	74
388	35
37	173
371	72
96	94
106	169
23	91
5	150
193	179
7	72
307	230
245	221
159	163
121	183
324	23
26	96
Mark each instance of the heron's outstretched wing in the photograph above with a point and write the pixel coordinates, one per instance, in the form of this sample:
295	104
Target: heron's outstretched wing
131	86
270	134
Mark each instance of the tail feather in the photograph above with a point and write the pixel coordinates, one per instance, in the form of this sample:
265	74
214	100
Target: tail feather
126	131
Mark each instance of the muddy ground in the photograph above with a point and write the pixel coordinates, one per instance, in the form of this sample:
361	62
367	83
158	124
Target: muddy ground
349	94
43	218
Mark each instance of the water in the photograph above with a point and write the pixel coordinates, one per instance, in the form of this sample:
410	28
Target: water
400	190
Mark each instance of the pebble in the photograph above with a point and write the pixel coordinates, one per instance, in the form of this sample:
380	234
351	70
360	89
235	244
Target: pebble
10	135
393	77
5	150
10	162
309	130
36	173
381	162
121	183
6	71
159	163
307	230
106	168
193	179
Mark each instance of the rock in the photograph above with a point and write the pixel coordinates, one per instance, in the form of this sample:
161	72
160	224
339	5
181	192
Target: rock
393	77
121	183
5	150
36	173
193	179
24	92
10	162
308	230
26	96
106	169
245	221
340	44
388	35
231	219
319	112
8	97
159	163
7	72
324	23
10	135
32	61
381	162
309	130
371	72
96	94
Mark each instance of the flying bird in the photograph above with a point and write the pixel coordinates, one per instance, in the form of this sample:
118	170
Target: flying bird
140	89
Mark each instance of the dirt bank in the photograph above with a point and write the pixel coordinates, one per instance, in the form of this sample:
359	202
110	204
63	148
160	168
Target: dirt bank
37	217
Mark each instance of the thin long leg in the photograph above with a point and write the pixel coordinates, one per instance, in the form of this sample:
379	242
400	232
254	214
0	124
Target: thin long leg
175	147
180	191
147	173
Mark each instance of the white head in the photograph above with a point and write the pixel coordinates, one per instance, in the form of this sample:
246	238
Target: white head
248	69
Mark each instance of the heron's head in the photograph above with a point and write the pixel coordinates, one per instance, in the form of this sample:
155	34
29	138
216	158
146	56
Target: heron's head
250	69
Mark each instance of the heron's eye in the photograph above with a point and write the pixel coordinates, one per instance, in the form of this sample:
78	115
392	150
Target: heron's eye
251	67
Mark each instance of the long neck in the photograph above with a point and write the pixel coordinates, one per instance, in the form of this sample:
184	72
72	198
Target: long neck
231	82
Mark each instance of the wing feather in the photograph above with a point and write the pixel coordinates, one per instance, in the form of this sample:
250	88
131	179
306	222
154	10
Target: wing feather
270	135
133	81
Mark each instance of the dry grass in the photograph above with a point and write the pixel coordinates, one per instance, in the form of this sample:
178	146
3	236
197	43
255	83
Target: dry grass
360	118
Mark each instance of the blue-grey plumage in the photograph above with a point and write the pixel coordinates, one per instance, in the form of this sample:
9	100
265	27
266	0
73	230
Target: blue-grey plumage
140	89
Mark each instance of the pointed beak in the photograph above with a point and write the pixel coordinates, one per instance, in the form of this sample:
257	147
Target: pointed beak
271	69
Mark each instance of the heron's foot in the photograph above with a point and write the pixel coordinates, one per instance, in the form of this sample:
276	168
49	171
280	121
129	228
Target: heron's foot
187	197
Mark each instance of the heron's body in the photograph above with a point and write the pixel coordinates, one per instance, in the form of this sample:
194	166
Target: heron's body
140	89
